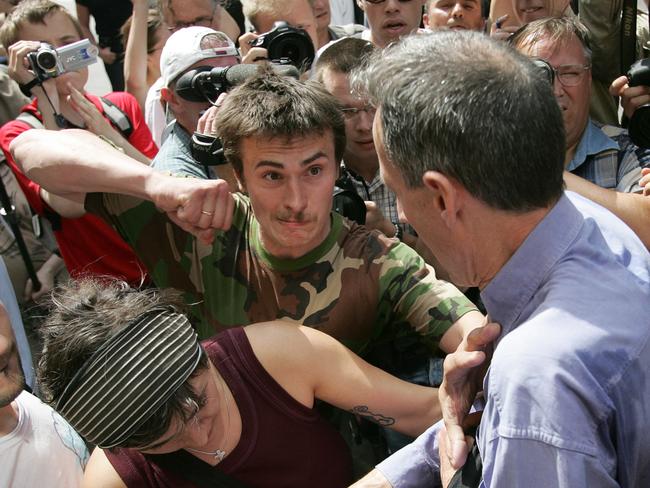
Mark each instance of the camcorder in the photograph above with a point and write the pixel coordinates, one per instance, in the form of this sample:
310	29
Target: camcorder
206	84
639	125
287	45
49	62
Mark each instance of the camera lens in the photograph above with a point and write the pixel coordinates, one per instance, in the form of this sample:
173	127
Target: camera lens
294	47
46	60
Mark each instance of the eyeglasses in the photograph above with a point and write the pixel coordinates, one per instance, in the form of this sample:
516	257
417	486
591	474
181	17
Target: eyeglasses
570	74
352	112
202	21
377	2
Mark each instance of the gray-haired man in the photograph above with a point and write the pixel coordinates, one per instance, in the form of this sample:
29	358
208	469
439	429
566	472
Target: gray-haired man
566	395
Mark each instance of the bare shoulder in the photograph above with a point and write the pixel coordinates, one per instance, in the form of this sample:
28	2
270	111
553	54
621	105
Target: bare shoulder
100	473
290	353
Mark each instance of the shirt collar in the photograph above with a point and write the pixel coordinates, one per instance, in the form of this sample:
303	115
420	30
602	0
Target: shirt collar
515	284
593	141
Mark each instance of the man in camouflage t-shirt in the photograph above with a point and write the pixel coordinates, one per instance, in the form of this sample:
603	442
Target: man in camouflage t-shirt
286	255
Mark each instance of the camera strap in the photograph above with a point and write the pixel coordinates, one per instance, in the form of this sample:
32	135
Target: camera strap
26	88
628	35
117	117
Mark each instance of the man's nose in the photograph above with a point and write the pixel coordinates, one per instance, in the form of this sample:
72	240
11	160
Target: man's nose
295	196
391	5
365	121
457	11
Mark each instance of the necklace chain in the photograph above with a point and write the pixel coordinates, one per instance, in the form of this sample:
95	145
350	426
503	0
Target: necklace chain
219	454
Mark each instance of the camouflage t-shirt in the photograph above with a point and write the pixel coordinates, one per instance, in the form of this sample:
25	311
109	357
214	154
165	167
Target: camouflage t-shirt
358	286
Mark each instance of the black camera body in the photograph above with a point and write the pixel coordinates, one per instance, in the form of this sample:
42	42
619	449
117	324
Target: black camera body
49	62
639	125
287	45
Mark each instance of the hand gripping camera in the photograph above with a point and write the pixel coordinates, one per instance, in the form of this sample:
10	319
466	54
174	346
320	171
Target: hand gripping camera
48	62
639	126
287	45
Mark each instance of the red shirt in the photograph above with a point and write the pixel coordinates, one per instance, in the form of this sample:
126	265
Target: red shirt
87	244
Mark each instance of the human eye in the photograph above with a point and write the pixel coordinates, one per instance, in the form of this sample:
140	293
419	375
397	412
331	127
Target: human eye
315	170
570	73
271	176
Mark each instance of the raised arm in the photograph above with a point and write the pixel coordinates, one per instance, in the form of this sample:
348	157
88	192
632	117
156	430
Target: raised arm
135	54
310	364
75	162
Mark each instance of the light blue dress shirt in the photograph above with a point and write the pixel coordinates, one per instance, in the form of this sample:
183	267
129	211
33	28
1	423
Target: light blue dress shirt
568	390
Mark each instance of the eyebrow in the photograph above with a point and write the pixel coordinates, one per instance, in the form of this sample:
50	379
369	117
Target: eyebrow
275	164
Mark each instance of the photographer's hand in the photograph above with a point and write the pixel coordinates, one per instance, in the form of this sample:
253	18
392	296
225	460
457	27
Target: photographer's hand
501	32
207	122
632	97
18	65
251	55
20	71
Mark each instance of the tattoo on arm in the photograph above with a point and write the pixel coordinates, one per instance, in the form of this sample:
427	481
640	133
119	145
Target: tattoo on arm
364	411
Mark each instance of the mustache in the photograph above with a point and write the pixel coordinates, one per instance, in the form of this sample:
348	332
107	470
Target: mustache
292	217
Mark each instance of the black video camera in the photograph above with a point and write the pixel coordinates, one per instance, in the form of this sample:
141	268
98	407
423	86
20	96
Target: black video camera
206	84
639	126
287	45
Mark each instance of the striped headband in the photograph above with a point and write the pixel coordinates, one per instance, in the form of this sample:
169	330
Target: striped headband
129	377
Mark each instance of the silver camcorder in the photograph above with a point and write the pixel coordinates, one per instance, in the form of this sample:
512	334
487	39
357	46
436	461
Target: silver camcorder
48	62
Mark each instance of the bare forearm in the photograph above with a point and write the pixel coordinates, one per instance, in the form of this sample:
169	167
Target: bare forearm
631	208
135	56
75	161
461	328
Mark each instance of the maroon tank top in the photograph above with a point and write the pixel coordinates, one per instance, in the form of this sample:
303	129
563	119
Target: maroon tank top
283	443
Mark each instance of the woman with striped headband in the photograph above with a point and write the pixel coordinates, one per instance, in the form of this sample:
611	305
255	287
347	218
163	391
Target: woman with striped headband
124	367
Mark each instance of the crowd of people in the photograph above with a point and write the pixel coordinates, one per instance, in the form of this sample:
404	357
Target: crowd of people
247	263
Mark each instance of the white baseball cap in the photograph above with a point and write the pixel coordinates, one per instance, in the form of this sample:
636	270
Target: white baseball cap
188	46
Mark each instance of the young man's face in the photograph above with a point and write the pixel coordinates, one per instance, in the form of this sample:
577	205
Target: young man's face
296	13
359	147
58	30
391	19
12	380
290	184
454	14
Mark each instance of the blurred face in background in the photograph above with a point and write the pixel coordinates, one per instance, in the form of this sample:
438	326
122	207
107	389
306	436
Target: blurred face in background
454	14
391	19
